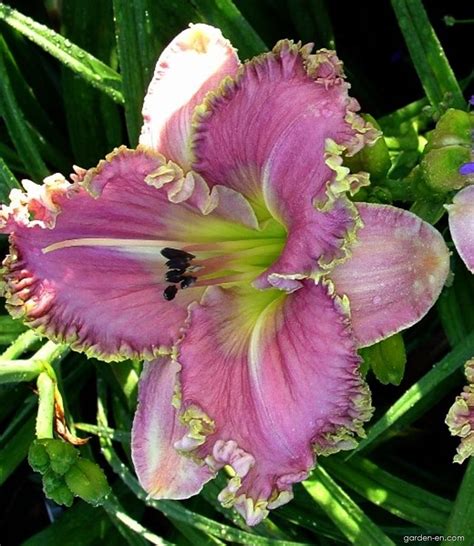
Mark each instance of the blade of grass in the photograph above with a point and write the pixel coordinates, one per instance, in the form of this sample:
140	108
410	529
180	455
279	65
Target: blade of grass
16	448
455	304
419	397
133	532
391	493
95	72
430	62
19	131
225	15
10	329
95	128
138	46
7	183
88	525
461	520
345	513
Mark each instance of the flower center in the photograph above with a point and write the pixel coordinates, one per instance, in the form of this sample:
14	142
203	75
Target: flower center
179	265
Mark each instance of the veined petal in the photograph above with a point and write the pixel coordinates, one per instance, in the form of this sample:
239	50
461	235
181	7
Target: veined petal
275	134
162	471
85	265
396	271
461	225
266	379
193	63
460	418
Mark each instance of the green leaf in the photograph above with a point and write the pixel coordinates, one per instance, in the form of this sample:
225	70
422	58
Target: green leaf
461	520
15	449
138	46
391	493
95	72
420	396
7	183
87	480
95	128
430	62
20	133
387	359
456	303
10	329
225	15
82	524
345	513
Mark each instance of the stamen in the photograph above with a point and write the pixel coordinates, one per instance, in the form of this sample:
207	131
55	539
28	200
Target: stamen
170	292
177	263
173	253
175	275
188	281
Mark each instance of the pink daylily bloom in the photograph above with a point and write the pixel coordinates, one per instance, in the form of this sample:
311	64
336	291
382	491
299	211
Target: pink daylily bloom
226	253
460	418
461	225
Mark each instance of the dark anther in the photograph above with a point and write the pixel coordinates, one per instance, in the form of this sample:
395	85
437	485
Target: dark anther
177	264
175	275
170	292
172	253
187	281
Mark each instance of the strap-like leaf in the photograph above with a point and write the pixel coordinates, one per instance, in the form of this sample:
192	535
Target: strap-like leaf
420	396
345	513
84	64
428	56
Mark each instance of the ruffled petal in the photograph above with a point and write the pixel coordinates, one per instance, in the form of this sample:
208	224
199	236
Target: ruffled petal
267	378
193	63
461	225
161	470
85	265
396	272
276	134
460	418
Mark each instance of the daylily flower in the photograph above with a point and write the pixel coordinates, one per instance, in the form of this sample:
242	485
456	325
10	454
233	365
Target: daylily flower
460	418
225	252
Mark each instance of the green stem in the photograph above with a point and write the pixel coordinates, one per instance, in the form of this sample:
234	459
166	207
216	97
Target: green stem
22	343
14	371
45	417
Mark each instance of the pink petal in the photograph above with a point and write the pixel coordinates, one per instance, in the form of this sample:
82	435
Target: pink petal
87	268
161	470
193	63
461	225
276	134
396	272
265	379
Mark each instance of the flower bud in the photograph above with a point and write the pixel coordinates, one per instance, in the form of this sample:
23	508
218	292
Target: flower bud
373	159
449	146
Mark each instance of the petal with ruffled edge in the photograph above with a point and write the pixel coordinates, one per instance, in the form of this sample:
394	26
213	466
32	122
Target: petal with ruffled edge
396	271
461	225
276	134
162	471
193	63
460	418
85	265
266	378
